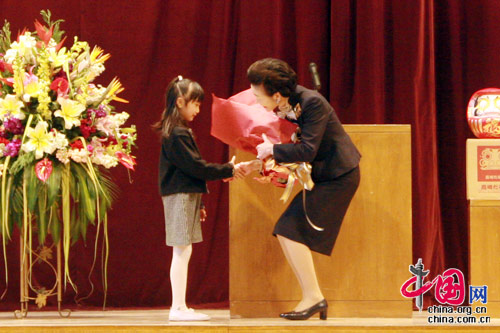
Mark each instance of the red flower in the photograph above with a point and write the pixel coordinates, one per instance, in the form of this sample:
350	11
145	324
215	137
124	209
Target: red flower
5	67
44	33
77	144
60	85
9	81
126	160
4	141
43	169
111	141
86	129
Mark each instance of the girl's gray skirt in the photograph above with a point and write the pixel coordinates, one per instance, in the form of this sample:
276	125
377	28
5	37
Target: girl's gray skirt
182	218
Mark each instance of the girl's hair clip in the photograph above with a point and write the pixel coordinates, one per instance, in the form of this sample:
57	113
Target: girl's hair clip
179	78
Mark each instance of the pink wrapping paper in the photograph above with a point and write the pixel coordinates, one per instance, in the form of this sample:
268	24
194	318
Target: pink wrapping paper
240	122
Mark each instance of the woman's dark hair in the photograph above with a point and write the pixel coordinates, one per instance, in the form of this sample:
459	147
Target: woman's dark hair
274	74
178	87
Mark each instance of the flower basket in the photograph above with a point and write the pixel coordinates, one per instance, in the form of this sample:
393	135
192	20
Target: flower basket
59	133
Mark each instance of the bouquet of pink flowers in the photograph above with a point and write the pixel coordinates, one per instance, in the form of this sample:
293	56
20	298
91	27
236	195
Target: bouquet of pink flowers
241	122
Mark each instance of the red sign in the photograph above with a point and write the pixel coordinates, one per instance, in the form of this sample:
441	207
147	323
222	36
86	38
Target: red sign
488	163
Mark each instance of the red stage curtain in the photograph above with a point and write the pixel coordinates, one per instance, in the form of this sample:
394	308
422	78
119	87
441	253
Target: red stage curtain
380	62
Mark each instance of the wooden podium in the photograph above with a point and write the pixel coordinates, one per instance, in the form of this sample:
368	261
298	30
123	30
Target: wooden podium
484	246
372	254
483	192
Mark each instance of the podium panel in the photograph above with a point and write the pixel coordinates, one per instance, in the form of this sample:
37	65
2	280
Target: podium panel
484	246
370	260
483	169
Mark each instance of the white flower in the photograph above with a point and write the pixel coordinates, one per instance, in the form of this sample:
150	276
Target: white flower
78	155
10	55
59	139
100	154
95	94
10	105
70	112
40	140
63	155
23	48
107	161
95	70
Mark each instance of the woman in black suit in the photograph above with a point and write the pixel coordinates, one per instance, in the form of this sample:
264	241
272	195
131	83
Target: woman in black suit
314	223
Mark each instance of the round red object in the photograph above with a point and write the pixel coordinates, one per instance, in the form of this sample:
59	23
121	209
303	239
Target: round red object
483	113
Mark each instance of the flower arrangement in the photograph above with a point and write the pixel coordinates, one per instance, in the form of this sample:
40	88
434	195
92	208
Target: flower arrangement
58	135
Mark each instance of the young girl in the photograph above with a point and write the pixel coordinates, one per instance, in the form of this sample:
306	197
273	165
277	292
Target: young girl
182	180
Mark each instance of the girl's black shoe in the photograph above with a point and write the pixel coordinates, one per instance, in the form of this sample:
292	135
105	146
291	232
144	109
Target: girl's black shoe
321	307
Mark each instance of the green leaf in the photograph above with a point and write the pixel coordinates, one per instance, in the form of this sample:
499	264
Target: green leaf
55	223
83	228
110	190
42	215
5	37
54	184
16	201
86	192
74	226
31	187
57	34
22	162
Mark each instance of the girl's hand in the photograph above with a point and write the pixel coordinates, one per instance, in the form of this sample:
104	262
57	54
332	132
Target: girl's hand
225	180
203	214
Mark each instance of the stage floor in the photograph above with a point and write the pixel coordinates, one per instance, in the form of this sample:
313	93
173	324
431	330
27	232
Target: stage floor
157	320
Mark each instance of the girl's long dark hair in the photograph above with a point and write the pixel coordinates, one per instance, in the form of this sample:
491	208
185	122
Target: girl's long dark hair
178	87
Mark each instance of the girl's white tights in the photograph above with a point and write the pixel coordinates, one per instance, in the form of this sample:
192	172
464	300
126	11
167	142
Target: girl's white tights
178	275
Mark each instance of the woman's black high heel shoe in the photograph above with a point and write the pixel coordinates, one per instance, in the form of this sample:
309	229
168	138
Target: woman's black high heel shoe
321	307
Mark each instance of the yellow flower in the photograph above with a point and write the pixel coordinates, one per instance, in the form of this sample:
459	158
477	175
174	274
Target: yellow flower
114	88
70	112
40	140
32	87
57	59
97	56
10	105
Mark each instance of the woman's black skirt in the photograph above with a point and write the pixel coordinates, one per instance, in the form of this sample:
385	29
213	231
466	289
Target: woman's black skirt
326	205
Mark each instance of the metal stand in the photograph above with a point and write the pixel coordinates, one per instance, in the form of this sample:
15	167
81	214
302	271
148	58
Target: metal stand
26	270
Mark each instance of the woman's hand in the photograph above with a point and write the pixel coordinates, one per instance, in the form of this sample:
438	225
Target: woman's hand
243	169
250	166
265	149
203	214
